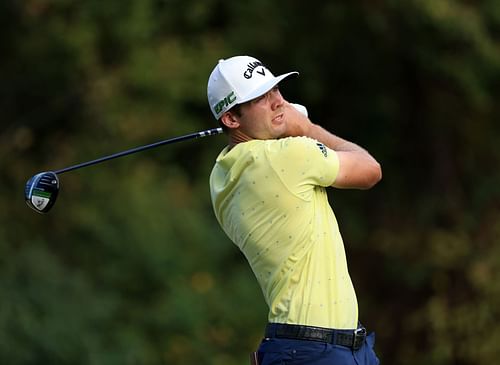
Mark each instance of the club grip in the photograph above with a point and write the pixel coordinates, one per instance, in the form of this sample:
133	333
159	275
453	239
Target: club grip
210	132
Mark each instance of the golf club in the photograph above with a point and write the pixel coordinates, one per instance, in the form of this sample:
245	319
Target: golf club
41	190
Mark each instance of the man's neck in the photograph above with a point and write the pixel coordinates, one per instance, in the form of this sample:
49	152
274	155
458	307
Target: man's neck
236	136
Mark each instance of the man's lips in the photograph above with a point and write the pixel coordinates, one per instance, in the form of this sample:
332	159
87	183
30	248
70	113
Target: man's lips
278	118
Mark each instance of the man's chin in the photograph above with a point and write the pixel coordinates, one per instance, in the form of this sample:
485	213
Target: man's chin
283	134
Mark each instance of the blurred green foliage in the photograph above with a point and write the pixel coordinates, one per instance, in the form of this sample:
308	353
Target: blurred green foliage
130	266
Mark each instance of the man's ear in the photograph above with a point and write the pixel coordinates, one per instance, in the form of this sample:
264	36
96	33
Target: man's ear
230	120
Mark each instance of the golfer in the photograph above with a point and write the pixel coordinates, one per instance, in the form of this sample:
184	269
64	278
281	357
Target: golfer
268	189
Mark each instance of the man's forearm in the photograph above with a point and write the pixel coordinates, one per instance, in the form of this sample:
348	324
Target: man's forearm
332	141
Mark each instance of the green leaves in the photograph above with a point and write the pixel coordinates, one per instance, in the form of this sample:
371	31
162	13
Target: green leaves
131	267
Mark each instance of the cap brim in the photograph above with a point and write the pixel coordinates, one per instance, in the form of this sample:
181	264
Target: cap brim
264	88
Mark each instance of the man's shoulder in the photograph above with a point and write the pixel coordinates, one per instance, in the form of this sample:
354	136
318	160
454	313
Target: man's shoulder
289	144
287	147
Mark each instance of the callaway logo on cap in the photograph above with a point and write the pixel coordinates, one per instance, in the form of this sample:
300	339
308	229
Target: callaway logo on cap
237	80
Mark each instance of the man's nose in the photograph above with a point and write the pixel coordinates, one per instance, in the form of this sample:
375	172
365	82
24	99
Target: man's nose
276	99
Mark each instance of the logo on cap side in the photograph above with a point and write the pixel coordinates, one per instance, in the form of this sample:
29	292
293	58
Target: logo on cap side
251	68
228	100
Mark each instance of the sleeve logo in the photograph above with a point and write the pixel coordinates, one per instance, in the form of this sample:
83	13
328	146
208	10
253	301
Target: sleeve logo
322	148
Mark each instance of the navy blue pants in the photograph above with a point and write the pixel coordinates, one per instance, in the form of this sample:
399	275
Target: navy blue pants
282	351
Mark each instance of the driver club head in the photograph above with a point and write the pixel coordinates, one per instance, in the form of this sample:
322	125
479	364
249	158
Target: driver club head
41	191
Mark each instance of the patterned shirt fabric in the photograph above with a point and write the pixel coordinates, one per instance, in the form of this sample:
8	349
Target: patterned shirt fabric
269	197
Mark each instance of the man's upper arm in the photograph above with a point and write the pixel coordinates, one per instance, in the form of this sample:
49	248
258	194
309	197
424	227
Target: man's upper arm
303	163
357	170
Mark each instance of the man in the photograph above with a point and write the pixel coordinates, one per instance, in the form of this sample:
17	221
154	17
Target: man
268	193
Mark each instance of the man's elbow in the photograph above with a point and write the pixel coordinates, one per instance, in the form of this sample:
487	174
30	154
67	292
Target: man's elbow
373	175
363	176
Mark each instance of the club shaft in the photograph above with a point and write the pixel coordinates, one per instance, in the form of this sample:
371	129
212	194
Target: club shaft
205	133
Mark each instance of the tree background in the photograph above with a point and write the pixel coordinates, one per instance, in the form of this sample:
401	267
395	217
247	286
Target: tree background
130	266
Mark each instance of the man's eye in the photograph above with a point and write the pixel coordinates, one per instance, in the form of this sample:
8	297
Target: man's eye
256	100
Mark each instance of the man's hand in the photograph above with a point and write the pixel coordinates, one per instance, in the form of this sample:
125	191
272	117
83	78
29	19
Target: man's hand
297	123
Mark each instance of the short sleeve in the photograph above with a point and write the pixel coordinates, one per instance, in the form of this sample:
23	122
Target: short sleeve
303	163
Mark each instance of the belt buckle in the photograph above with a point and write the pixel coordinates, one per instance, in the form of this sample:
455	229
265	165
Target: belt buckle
359	338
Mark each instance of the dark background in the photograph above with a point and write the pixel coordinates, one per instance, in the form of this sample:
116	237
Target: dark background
130	266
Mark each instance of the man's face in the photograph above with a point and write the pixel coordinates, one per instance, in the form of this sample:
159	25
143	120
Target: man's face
264	117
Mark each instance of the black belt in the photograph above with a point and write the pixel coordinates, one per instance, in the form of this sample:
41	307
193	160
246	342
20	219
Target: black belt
353	339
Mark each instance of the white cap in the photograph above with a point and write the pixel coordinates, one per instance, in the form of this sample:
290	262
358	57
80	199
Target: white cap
237	80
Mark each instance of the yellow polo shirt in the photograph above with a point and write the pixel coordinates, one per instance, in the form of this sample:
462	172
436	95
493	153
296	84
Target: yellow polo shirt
269	197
